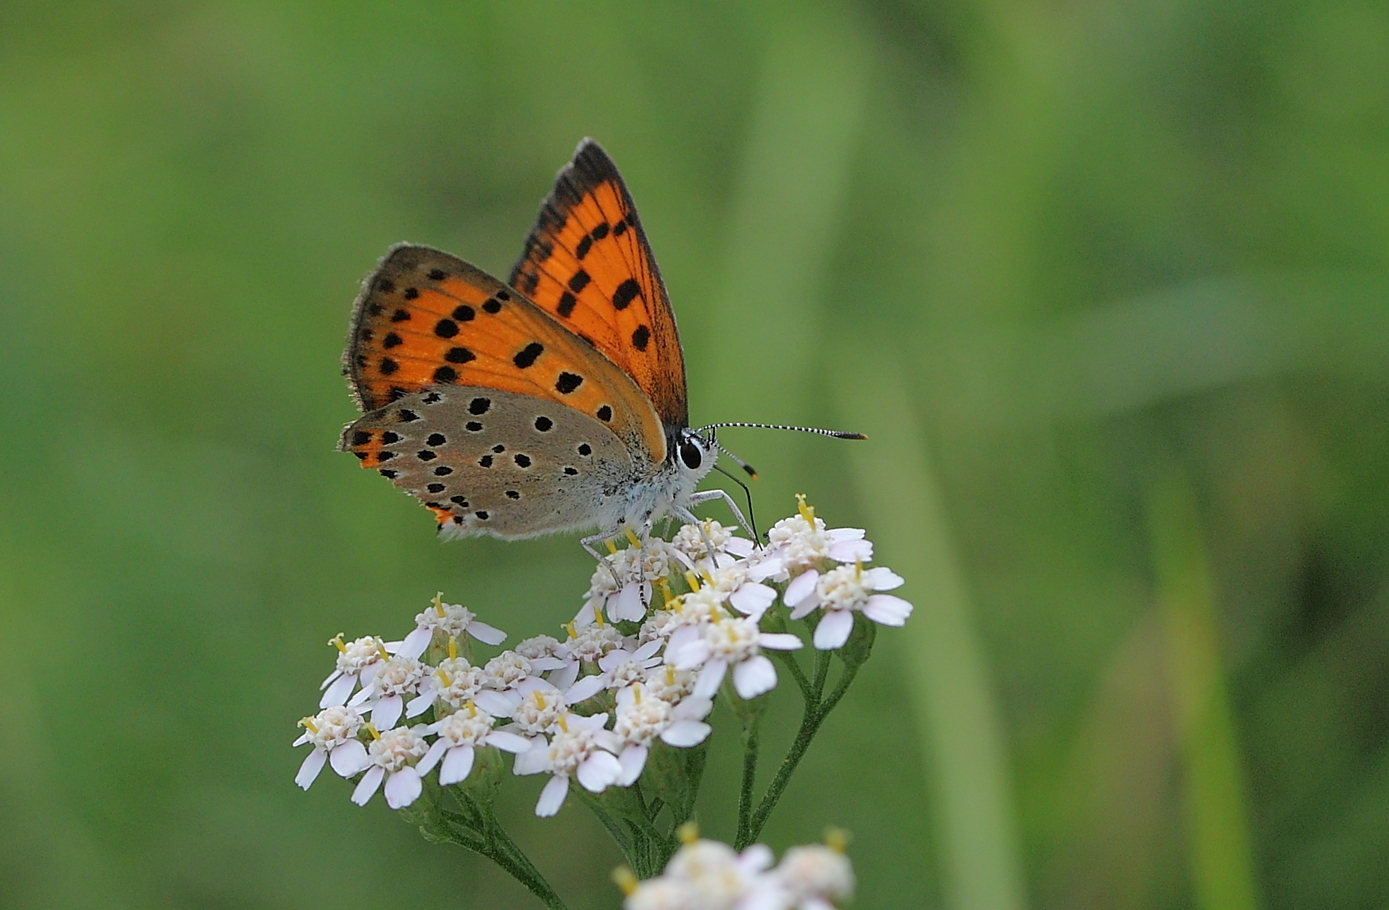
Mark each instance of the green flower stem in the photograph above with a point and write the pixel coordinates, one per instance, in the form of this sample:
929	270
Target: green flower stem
751	740
816	710
694	775
822	671
625	817
474	826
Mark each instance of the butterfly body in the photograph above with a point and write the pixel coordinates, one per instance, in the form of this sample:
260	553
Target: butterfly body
554	403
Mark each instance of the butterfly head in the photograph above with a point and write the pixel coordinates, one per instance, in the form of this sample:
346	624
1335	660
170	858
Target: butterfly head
693	454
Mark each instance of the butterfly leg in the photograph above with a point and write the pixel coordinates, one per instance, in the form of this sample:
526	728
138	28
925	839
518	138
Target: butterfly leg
604	536
709	496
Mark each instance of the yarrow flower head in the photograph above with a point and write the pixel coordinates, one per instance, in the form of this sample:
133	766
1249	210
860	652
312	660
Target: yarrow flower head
395	679
580	749
357	662
840	593
709	875
622	583
450	621
393	756
803	541
461	734
709	539
623	697
731	642
333	733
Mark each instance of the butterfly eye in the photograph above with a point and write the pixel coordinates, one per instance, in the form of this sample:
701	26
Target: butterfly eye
691	454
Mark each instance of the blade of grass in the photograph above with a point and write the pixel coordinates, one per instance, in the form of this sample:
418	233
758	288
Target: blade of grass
1219	856
957	715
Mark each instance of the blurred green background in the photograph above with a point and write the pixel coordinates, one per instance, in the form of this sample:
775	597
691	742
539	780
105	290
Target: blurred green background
1105	283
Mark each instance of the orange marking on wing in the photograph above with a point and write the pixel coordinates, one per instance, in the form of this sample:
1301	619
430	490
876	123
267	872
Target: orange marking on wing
442	515
426	318
587	261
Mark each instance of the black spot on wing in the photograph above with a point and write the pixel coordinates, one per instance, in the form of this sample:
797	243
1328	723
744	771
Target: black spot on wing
527	356
626	292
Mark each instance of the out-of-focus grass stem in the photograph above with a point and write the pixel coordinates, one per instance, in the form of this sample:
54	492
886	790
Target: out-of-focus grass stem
1219	855
957	715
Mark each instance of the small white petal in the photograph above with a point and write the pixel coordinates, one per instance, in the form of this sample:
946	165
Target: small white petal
584	689
851	551
833	630
710	678
682	636
767	568
752	599
543	664
564	678
308	771
888	609
366	788
416	642
599	771
629	605
771	896
552	797
689	655
488	635
780	641
337	693
754	676
607	739
633	760
498	704
533	760
835	535
508	742
593	722
739	546
386	712
303	738
431	758
458	764
327	680
801	587
349	758
587	614
685	733
756	858
403	788
420	703
692	708
648	650
882	579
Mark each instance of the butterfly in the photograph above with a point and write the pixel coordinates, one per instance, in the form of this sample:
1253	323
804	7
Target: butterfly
553	402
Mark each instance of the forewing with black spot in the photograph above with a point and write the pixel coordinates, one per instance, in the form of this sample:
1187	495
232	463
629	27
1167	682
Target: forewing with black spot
425	319
587	262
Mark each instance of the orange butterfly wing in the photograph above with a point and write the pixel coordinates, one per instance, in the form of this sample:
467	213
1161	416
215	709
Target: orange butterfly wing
425	318
588	264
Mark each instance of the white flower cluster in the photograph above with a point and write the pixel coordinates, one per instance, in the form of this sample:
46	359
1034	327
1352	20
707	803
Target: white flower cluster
591	708
708	875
